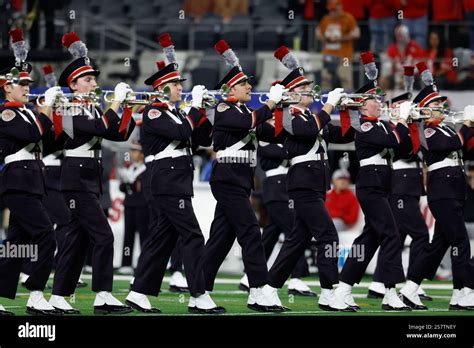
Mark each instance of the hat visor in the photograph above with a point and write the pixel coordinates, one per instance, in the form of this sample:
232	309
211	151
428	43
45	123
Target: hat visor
440	98
302	83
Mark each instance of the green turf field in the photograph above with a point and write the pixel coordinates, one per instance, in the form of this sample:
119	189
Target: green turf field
227	294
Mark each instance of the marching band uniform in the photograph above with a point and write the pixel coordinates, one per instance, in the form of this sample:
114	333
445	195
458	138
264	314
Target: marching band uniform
168	133
81	185
407	188
22	189
446	196
374	144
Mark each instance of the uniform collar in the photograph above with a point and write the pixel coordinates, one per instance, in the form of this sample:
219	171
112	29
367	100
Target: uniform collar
14	104
297	110
370	118
433	123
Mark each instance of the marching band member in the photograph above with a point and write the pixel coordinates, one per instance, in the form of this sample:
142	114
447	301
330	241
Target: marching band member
374	143
446	197
235	134
80	184
168	133
307	183
407	188
22	184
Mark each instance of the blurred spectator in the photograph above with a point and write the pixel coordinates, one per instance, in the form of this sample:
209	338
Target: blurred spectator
198	8
337	30
228	9
135	206
382	23
415	16
403	51
441	61
35	9
443	10
341	202
469	15
356	8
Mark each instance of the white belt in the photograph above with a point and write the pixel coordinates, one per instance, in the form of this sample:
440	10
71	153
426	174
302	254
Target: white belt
22	155
277	171
51	162
376	160
447	162
149	158
401	164
170	153
244	154
309	157
83	153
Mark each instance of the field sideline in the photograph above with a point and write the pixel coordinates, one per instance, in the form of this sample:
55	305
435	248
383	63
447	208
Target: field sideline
227	294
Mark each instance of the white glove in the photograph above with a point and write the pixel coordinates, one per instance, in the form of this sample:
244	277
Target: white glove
121	91
51	94
405	110
469	113
276	93
335	96
197	94
346	101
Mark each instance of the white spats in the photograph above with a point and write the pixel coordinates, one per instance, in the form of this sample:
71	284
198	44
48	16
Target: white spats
455	297
257	296
392	302
202	302
343	294
178	280
410	292
329	301
105	297
37	301
139	299
271	294
59	302
466	299
298	284
377	287
245	281
2	308
126	270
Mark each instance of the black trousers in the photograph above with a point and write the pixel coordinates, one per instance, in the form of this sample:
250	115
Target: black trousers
380	230
136	219
87	222
29	226
312	220
176	218
410	222
234	217
450	231
282	220
177	257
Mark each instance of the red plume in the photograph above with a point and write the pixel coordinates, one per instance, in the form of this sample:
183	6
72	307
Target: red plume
367	57
421	66
221	46
281	52
160	64
16	35
69	38
408	70
277	82
47	69
165	40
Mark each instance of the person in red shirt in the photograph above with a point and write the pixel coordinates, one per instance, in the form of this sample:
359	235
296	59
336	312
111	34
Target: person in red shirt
382	23
414	14
404	51
341	202
443	10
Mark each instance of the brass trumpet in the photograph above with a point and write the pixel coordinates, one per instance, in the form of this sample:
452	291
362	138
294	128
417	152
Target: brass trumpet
71	99
139	98
210	98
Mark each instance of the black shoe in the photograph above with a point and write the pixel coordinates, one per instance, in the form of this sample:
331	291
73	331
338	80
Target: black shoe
244	287
425	297
215	310
45	312
296	292
178	289
268	309
412	305
332	309
112	309
6	313
468	308
141	309
68	311
387	307
374	294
